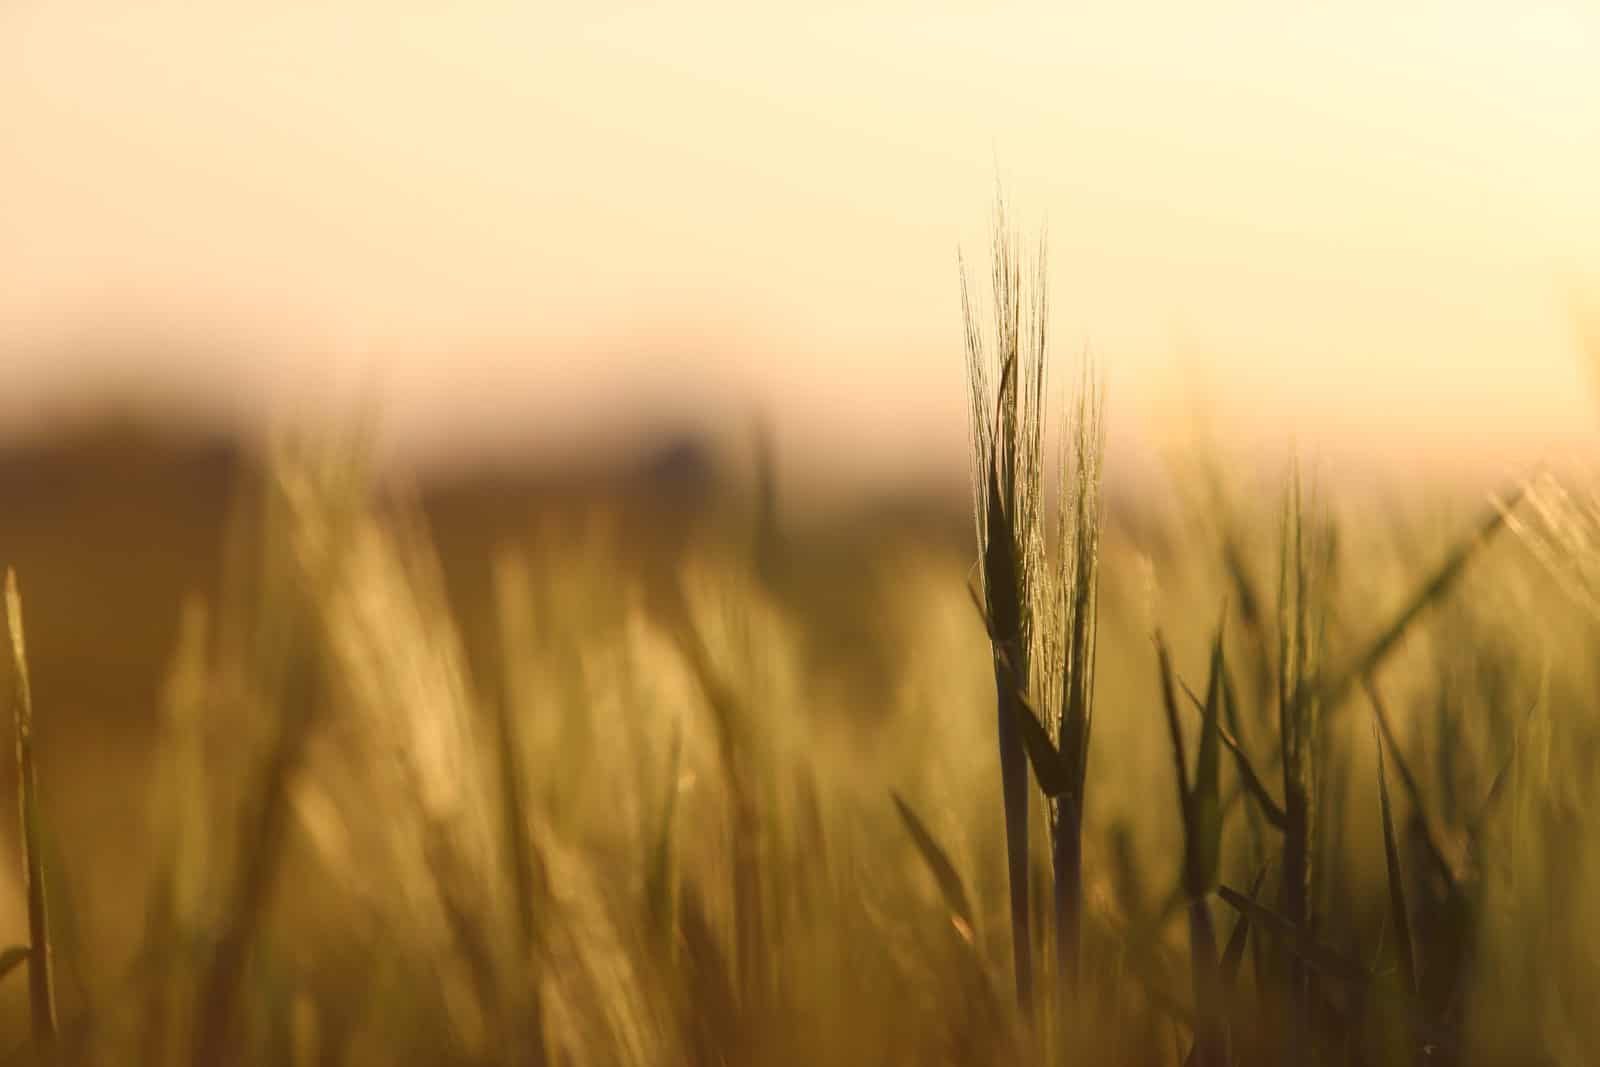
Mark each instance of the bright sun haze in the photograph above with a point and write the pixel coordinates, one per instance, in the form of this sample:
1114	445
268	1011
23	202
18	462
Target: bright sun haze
1371	225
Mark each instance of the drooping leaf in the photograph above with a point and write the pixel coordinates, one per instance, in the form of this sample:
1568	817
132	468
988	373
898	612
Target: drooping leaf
945	875
1333	689
1049	766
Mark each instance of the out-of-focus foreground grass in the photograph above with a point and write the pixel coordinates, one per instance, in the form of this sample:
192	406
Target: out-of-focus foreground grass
333	772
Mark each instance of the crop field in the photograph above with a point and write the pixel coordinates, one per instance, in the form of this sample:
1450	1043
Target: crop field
314	766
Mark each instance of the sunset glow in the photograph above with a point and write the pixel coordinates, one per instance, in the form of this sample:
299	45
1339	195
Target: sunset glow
1369	221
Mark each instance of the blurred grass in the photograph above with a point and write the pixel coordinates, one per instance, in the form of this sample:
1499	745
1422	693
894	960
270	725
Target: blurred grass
608	778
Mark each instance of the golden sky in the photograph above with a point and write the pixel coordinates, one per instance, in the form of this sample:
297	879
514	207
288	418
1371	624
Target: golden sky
1370	223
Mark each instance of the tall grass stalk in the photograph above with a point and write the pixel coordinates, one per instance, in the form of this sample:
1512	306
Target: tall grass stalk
1300	630
315	500
728	715
41	986
1070	645
1005	377
1199	804
173	914
524	881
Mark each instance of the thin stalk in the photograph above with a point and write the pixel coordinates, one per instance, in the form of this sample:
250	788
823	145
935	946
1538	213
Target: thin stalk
1078	538
41	986
1014	800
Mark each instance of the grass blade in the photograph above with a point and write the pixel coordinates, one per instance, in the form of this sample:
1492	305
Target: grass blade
712	1022
510	588
1170	703
1447	861
1497	786
1201	809
659	887
1205	807
1253	783
1050	767
1397	890
41	986
1439	582
945	875
1321	958
1233	954
1211	1032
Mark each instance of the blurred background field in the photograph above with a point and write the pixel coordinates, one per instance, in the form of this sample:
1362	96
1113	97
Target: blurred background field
857	667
